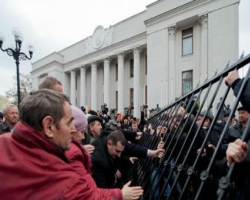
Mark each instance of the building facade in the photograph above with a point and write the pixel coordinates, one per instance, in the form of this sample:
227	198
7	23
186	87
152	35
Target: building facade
150	58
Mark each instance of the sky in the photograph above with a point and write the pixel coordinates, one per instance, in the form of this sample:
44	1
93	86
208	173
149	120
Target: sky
52	25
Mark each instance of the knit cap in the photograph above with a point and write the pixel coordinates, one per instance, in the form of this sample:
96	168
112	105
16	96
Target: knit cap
80	120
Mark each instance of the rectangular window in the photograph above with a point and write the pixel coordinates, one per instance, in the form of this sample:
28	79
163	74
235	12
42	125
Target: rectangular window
187	81
187	41
131	96
131	67
146	94
116	100
116	72
146	64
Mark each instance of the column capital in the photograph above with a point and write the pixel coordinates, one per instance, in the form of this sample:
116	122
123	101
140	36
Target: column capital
72	72
106	60
137	51
120	56
203	20
93	67
83	68
171	32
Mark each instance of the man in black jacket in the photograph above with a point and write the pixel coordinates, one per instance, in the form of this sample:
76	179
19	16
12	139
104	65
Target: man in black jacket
237	151
108	150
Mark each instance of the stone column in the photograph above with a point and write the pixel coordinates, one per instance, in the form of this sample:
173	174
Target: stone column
171	63
93	86
120	82
137	94
204	55
204	47
73	87
82	86
106	81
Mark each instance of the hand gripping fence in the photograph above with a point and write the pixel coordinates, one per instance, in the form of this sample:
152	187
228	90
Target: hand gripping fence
193	166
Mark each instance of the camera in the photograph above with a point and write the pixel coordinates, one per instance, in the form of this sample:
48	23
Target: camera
104	109
83	109
145	106
132	107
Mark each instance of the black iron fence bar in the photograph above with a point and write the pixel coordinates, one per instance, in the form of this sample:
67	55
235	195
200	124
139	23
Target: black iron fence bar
175	146
170	122
192	168
225	181
205	174
180	167
173	138
148	162
240	63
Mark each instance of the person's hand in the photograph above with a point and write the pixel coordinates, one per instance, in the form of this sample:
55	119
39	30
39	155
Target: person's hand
118	174
158	130
156	153
160	144
204	153
129	193
90	148
138	135
231	77
133	159
150	126
236	151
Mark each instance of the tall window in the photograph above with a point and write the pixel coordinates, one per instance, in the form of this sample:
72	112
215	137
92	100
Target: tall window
116	72
116	100
131	67
187	81
187	41
146	64
146	94
131	96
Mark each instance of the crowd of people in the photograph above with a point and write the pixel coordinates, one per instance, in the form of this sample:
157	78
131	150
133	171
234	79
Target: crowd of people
51	149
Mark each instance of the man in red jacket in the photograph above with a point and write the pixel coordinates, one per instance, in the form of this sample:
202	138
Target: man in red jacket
33	164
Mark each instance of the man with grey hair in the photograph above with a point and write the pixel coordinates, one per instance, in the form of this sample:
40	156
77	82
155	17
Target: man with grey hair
11	117
33	163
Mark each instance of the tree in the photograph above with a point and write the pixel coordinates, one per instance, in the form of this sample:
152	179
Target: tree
25	88
3	102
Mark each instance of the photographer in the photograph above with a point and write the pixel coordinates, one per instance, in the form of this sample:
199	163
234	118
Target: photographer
104	114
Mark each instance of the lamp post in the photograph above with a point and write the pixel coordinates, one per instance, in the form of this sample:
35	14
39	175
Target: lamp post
17	55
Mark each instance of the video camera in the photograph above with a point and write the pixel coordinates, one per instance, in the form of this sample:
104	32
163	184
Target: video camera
104	109
83	109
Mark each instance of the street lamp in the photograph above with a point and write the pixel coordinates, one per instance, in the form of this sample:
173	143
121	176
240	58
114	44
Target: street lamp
17	55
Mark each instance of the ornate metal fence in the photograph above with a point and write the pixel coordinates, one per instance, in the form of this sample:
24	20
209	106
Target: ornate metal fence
192	167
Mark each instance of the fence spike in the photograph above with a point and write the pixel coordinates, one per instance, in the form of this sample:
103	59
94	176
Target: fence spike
227	64
197	84
242	55
216	72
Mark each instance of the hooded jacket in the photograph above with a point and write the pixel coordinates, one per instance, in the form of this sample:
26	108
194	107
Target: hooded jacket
32	167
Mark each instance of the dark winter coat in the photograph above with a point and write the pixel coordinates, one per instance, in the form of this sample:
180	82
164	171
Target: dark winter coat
104	167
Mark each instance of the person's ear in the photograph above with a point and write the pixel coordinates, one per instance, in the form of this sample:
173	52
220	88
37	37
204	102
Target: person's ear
48	126
109	143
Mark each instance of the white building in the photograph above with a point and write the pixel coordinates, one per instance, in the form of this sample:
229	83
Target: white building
149	58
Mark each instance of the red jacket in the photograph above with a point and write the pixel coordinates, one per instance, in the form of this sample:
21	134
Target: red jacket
31	167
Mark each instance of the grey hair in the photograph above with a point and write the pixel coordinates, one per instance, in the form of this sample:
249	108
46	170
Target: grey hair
7	106
41	103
